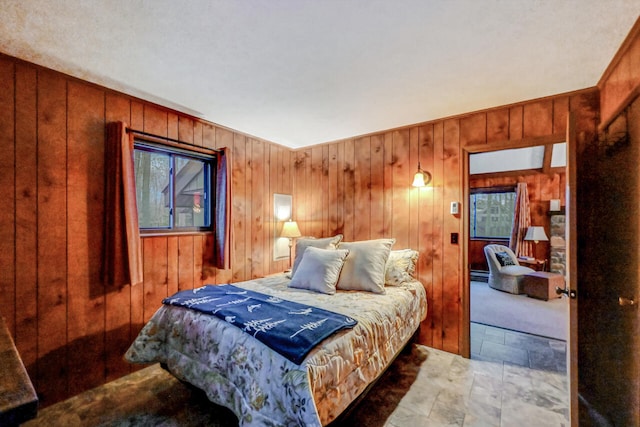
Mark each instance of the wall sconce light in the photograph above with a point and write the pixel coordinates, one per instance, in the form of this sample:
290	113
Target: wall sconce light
422	178
290	230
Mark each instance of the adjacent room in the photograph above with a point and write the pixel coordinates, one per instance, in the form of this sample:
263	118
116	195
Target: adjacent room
319	213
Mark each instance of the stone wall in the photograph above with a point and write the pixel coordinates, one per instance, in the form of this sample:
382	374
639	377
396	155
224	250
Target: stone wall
558	256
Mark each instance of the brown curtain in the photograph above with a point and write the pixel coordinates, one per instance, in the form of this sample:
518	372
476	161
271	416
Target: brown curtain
521	221
122	258
222	209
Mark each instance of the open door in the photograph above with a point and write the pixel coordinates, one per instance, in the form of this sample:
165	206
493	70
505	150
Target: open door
571	289
605	362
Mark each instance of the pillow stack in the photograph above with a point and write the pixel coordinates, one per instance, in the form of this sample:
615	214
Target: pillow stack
327	264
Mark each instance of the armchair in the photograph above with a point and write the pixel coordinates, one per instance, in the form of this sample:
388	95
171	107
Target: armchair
505	273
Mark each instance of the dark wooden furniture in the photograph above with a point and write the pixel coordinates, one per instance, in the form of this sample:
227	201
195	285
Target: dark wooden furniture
542	285
18	399
536	264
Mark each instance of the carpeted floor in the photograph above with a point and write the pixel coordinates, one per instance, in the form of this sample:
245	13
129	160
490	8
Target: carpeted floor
519	312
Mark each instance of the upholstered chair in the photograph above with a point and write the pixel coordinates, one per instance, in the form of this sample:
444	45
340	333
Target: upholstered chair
505	273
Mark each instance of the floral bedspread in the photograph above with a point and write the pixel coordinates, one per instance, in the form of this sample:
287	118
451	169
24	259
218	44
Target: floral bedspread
264	388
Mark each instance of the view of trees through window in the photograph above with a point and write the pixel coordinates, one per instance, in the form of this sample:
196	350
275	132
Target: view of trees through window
491	214
171	190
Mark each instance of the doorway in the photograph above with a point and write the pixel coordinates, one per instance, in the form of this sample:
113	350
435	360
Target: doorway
503	326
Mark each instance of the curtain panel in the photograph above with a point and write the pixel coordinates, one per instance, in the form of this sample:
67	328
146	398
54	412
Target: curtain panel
122	257
521	221
222	209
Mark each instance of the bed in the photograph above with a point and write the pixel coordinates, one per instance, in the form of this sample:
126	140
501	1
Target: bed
262	387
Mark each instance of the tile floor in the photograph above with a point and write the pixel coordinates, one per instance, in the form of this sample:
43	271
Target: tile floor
512	379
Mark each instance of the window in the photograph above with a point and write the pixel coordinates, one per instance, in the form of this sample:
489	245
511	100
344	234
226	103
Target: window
491	212
173	188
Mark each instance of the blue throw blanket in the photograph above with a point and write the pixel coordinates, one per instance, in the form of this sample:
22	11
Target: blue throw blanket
289	328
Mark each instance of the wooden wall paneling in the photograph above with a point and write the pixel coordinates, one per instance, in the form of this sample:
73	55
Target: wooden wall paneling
275	186
155	121
451	252
402	174
24	273
52	237
425	245
349	191
155	274
538	118
316	205
185	130
516	122
340	179
118	302
377	187
389	165
199	245
173	260
333	191
267	209
85	198
299	193
560	114
362	192
210	274
186	258
325	190
240	211
414	193
435	300
137	115
208	136
498	125
256	247
172	125
8	194
473	129
197	133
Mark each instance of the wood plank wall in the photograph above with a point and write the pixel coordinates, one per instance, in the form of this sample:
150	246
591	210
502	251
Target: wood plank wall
361	187
542	188
70	330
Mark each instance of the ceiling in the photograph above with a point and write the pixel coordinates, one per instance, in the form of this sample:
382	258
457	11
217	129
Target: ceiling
302	72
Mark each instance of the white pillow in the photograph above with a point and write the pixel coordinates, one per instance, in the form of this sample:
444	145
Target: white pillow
305	242
364	267
401	267
319	270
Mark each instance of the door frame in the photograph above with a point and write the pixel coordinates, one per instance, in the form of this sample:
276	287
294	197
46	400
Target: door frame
465	336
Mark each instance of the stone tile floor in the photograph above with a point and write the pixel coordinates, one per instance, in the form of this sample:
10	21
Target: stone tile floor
512	379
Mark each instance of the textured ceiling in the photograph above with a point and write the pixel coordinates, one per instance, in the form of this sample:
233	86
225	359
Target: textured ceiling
301	72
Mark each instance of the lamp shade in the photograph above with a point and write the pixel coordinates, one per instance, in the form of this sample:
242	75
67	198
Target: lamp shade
536	233
290	229
422	178
418	179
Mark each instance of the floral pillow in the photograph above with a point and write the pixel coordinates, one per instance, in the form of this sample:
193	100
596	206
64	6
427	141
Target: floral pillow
401	267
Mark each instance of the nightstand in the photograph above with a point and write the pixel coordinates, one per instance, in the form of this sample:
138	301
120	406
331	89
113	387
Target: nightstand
536	264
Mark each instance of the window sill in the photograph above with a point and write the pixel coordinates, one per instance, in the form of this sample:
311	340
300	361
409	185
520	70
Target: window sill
175	233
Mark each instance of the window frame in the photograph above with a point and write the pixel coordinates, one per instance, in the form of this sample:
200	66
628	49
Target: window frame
208	157
486	190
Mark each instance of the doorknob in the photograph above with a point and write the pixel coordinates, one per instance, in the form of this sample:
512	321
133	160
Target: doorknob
626	301
571	293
